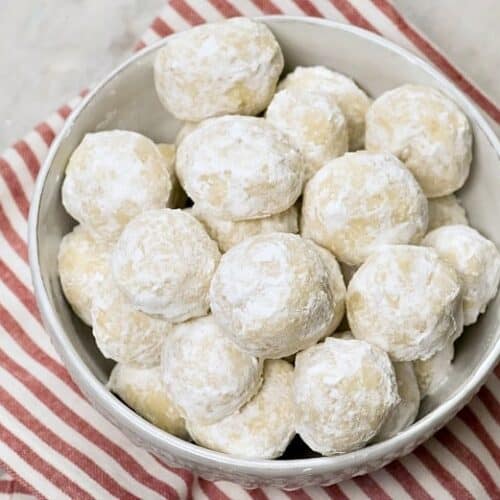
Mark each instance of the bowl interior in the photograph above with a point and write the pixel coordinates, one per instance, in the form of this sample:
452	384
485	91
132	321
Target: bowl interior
127	100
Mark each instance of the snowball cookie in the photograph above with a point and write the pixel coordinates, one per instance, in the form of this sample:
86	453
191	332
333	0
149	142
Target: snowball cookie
111	177
142	390
314	123
337	285
406	300
207	376
272	295
83	262
476	261
229	233
164	261
360	201
121	332
343	391
405	412
425	130
432	372
352	101
263	427
240	167
177	198
446	211
230	67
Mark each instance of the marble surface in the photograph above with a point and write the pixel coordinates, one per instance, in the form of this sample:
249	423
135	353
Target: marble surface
51	49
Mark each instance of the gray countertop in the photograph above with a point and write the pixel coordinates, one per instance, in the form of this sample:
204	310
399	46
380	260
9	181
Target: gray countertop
51	49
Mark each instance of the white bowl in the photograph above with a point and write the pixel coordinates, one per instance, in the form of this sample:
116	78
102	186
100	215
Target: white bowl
127	99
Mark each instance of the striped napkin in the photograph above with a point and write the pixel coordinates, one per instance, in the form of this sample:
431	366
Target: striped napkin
54	445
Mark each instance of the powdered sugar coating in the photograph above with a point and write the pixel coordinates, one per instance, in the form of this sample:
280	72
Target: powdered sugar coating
271	294
207	376
343	391
83	263
427	131
352	101
177	197
142	390
433	372
185	130
361	201
263	427
313	122
228	233
121	332
229	67
239	167
407	301
476	261
164	261
446	211
406	411
111	177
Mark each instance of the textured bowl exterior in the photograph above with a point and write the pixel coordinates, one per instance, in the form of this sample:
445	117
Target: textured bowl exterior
126	99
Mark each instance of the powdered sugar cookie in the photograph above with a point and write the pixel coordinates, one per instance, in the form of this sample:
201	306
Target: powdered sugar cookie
406	300
427	131
229	67
406	411
228	233
352	101
121	332
446	211
314	123
476	260
239	167
263	427
111	177
177	197
361	201
164	261
83	263
206	375
142	390
343	391
271	294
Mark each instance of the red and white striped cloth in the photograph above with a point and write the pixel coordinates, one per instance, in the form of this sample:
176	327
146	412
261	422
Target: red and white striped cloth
54	445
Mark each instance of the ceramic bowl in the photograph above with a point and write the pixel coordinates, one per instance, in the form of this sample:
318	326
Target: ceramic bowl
127	99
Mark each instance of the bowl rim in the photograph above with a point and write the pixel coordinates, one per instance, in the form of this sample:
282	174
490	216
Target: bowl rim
187	451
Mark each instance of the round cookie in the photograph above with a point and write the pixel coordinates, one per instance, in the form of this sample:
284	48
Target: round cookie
239	167
446	211
205	374
164	261
406	411
427	131
271	294
111	177
476	261
337	285
229	67
361	201
83	262
432	372
314	123
263	427
229	233
177	197
352	101
143	391
343	392
407	301
121	332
